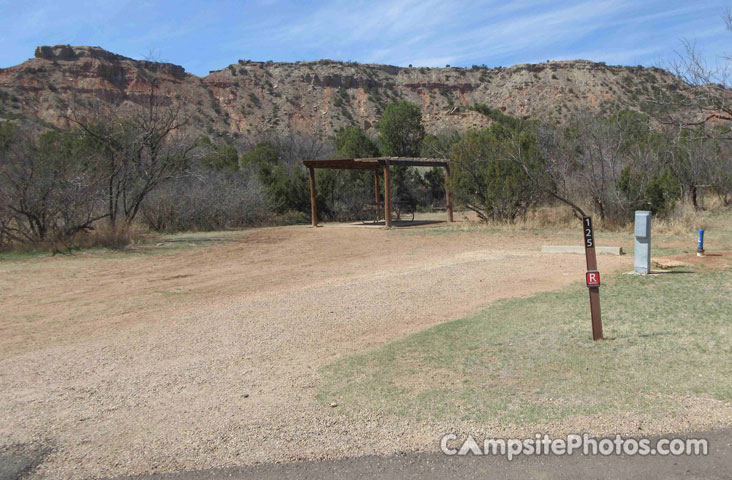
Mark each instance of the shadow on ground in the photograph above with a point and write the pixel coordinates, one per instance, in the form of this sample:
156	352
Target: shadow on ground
398	223
19	460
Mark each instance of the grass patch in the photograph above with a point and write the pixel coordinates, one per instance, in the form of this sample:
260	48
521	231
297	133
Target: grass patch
22	255
152	244
532	359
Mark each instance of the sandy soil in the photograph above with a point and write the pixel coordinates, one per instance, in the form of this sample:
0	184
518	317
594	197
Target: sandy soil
208	357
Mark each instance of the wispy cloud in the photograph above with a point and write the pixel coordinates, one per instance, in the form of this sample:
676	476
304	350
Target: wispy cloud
420	32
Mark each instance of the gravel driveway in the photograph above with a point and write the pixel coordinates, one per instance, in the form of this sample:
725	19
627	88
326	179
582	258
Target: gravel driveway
208	357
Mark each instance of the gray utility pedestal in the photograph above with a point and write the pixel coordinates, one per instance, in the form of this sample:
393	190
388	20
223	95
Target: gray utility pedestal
642	242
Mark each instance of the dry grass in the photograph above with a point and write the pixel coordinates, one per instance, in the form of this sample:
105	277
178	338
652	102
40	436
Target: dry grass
102	237
556	217
684	219
105	236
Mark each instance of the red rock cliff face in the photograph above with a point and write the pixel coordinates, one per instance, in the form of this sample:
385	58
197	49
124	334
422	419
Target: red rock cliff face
251	99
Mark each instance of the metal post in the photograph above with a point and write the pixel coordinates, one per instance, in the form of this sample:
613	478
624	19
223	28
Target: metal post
593	278
642	247
313	203
447	194
387	196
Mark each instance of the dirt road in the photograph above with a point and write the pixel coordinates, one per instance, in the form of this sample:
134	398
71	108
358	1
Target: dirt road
208	357
436	466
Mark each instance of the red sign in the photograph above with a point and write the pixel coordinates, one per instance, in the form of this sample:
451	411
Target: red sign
593	278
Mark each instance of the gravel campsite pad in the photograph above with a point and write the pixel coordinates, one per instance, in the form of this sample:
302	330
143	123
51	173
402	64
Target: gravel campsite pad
209	356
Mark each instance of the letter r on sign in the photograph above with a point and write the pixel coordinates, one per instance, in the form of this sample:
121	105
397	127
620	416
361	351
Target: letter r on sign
593	278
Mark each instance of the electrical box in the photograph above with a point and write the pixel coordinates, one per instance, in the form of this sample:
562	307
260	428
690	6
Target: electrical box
642	224
642	262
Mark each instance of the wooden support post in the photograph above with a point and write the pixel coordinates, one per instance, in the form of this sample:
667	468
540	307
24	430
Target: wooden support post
376	193
387	196
595	313
592	268
313	200
448	201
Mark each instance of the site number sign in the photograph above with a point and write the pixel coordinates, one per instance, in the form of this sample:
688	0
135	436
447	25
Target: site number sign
592	277
589	235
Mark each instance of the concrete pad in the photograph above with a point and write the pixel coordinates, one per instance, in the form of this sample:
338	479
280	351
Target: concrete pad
580	249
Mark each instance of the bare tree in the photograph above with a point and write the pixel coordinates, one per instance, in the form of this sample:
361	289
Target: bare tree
691	157
48	193
588	162
560	167
205	199
294	148
720	172
138	148
703	97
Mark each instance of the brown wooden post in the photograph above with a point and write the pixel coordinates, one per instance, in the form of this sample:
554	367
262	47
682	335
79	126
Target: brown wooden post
313	202
387	196
447	194
592	269
376	193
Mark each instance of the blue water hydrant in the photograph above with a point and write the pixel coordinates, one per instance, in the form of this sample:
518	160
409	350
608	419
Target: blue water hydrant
700	244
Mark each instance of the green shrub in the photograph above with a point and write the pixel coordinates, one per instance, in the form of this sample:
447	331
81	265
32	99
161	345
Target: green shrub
487	173
400	130
255	100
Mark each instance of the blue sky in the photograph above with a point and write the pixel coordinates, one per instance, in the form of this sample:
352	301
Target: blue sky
203	36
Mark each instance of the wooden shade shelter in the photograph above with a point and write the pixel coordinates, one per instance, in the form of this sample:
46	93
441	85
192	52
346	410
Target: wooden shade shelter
376	164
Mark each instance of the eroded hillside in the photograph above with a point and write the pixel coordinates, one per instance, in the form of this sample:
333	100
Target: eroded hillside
248	99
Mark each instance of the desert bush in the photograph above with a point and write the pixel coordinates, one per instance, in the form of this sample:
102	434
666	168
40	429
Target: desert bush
611	166
284	179
658	194
605	148
488	175
692	155
105	235
681	219
223	156
720	172
49	193
205	200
